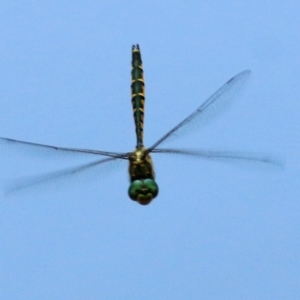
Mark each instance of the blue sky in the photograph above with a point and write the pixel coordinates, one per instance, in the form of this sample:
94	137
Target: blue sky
216	231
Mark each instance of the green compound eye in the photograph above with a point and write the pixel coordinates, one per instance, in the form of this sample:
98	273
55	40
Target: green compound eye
143	191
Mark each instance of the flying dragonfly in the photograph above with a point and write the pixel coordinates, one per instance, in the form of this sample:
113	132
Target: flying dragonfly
143	187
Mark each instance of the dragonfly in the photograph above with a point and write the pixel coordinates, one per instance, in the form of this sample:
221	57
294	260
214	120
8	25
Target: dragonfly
143	187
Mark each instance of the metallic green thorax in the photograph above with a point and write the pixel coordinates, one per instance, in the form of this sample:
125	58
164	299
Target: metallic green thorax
137	94
140	165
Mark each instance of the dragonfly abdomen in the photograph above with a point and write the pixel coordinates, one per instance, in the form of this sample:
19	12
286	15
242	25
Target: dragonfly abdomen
137	94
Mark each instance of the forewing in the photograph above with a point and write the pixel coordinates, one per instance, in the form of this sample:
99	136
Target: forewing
35	148
213	106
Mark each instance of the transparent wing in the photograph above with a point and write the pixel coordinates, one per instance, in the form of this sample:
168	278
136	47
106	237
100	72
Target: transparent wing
227	156
210	108
26	146
95	169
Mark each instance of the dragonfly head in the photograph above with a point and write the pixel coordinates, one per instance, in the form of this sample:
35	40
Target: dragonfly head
143	191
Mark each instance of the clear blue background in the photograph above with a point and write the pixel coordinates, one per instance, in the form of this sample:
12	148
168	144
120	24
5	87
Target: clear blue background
216	231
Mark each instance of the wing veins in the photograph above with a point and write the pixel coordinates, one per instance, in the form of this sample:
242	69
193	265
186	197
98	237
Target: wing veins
222	93
225	155
77	150
34	180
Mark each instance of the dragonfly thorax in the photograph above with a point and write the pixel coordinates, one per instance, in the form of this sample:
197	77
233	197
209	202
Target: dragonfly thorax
142	187
140	165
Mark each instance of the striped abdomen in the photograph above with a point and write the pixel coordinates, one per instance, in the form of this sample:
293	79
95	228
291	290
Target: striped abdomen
137	93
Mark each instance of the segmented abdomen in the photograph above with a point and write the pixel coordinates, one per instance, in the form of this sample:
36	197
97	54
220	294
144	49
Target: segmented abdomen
137	93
